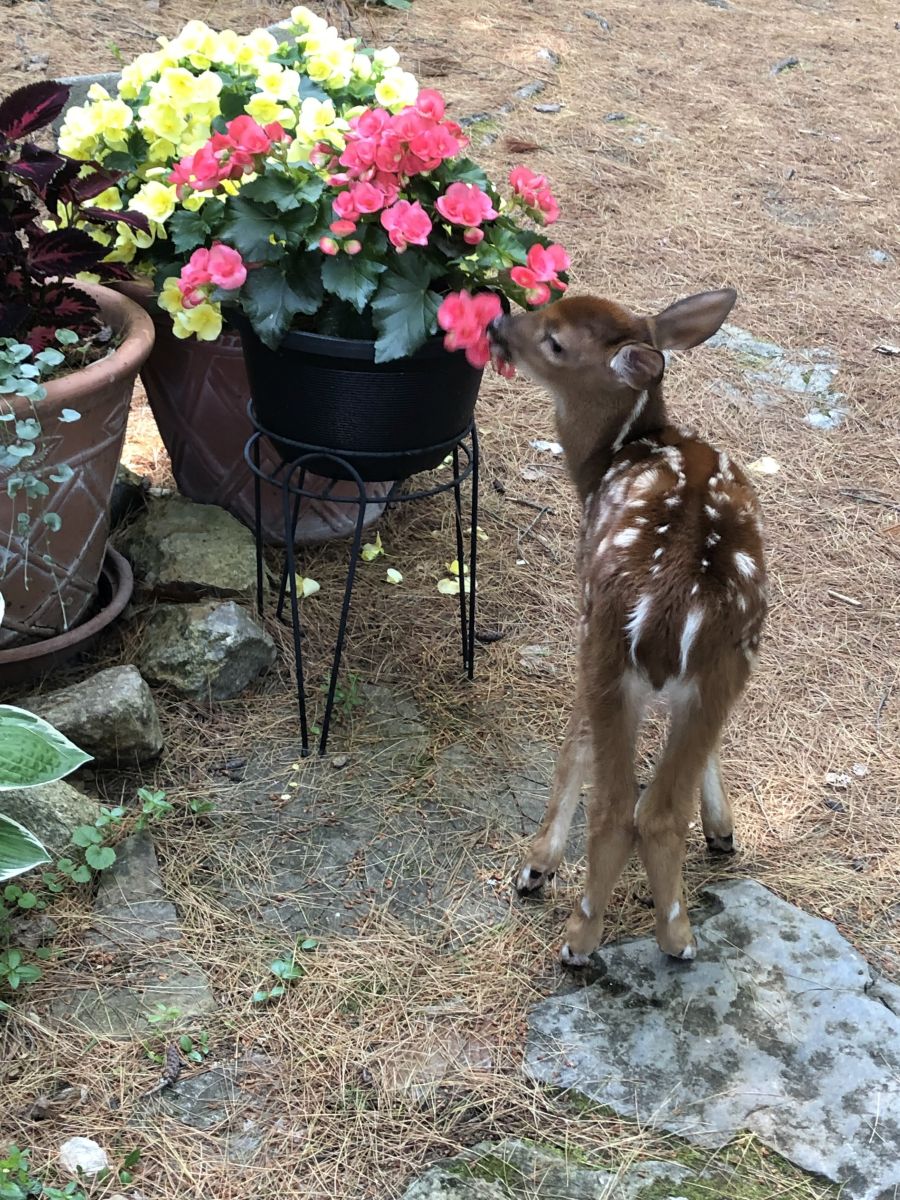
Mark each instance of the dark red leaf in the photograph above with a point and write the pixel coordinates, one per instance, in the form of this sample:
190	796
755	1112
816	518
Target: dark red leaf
91	185
135	220
63	252
32	107
60	306
37	167
113	271
12	314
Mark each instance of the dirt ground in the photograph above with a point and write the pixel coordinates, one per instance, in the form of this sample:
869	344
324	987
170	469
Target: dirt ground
682	161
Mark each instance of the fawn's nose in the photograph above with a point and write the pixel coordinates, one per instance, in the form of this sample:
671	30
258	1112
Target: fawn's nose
496	331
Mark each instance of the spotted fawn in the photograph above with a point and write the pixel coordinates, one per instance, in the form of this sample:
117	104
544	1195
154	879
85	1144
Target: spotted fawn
673	582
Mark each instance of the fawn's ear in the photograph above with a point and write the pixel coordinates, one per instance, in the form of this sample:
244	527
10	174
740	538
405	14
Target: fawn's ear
638	365
689	322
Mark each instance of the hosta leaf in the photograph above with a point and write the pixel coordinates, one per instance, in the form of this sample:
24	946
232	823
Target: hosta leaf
20	850
32	751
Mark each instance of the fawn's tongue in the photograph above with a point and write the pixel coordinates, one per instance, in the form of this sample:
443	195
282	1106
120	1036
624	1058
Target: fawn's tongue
500	363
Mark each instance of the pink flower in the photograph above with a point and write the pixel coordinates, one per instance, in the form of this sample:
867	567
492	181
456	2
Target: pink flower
342	228
226	267
366	198
371	122
195	272
532	189
328	245
277	133
249	135
406	224
465	319
544	263
344	207
465	204
389	153
430	104
432	146
409	123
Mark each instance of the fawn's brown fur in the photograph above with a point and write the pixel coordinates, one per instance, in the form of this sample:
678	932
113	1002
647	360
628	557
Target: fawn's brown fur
673	600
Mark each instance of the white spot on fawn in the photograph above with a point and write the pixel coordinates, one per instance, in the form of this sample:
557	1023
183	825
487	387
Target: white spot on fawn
704	563
672	501
626	537
712	513
695	589
635	623
692	624
657	553
661	528
745	564
675	911
713	538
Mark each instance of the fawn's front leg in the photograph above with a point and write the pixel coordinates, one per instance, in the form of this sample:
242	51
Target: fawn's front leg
611	832
549	844
715	809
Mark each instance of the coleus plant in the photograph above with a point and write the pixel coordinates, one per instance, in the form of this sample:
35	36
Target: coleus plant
41	189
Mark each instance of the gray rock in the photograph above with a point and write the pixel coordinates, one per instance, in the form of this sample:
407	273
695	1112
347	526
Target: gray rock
51	811
111	716
166	977
210	649
549	56
548	108
601	21
131	908
773	1029
83	1156
181	550
529	90
766	366
514	1170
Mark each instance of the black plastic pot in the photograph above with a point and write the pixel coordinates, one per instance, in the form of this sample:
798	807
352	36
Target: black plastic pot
388	420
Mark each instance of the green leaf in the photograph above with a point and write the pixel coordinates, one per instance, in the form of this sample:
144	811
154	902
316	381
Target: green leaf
462	170
86	835
100	857
271	300
28	900
260	997
132	1158
284	968
284	191
402	4
20	850
352	278
188	230
255	229
309	944
404	309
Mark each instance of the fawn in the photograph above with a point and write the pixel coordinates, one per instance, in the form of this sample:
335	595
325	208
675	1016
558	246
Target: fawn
673	600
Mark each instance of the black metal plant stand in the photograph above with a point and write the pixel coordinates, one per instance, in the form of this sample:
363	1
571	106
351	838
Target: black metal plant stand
290	477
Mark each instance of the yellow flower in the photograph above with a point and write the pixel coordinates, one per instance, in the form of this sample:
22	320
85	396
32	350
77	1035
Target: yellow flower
388	57
194	201
170	297
161	150
155	200
196	42
306	586
97	92
305	18
264	109
204	322
362	68
333	65
180	87
397	90
79	134
260	44
277	82
228	46
111	200
316	122
137	73
162	121
372	550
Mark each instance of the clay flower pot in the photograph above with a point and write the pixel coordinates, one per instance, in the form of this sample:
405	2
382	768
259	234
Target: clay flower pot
49	581
198	392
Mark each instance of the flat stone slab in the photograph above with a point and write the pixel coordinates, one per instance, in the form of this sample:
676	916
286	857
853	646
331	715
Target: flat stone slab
515	1170
131	907
779	1027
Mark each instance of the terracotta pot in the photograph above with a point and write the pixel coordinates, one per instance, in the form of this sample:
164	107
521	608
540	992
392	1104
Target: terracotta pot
49	582
23	664
198	392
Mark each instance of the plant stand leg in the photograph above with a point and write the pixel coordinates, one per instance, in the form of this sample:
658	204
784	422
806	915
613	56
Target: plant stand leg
473	554
290	570
257	522
282	587
460	559
345	611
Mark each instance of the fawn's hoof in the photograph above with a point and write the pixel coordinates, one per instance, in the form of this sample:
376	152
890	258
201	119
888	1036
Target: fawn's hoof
530	879
721	845
573	961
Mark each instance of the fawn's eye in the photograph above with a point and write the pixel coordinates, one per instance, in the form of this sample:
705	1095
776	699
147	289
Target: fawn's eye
554	345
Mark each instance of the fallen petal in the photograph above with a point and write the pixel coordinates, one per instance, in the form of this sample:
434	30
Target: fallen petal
448	587
393	575
765	466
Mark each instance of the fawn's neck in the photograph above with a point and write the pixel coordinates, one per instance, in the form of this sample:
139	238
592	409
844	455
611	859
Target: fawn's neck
592	433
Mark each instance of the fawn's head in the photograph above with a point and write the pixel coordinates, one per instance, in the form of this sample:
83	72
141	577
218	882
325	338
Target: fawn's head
596	347
603	365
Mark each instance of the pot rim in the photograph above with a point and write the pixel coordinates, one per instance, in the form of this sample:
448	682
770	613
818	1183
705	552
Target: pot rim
118	570
138	333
